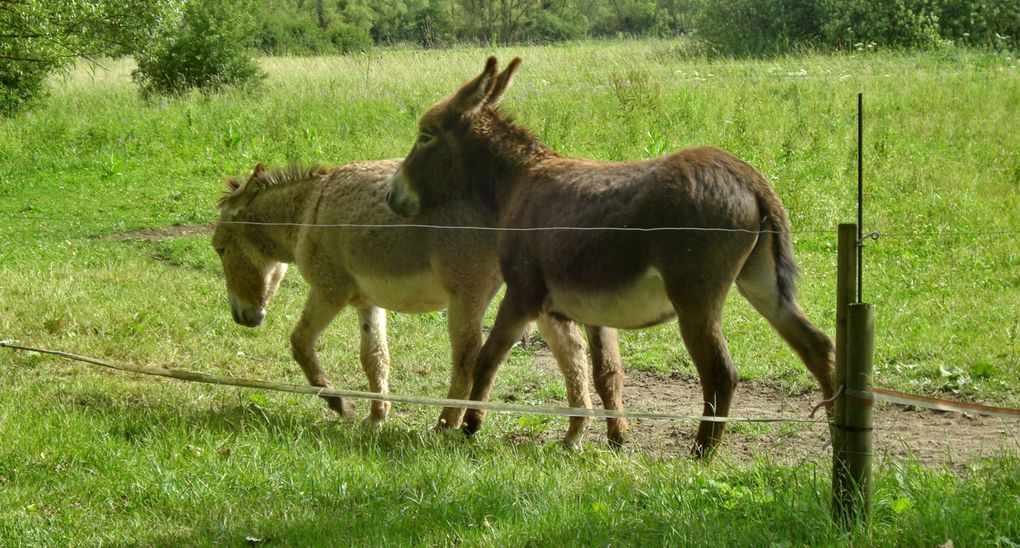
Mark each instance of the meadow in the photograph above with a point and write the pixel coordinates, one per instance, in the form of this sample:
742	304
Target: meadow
91	457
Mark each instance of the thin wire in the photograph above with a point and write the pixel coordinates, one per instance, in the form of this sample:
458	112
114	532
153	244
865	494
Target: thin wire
955	233
884	234
514	229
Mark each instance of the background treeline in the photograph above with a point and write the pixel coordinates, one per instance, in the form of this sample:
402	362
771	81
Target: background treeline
755	27
186	44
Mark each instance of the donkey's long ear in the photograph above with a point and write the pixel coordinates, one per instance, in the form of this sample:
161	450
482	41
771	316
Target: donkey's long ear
471	95
502	82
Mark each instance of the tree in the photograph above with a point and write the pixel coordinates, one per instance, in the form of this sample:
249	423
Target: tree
38	37
499	20
210	47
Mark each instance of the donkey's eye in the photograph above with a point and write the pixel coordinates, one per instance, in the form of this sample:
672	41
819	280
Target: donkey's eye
425	138
220	251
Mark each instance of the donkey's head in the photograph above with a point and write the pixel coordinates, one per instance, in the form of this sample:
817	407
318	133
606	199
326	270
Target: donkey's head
252	277
454	137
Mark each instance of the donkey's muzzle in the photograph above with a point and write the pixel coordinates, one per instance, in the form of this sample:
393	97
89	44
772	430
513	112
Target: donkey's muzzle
249	318
246	315
399	197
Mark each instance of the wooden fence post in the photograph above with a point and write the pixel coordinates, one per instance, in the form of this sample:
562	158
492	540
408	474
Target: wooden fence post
852	438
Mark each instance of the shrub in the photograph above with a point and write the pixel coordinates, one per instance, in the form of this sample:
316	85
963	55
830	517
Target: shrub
21	83
210	48
759	27
296	33
39	37
770	27
994	23
548	26
348	38
889	23
282	35
632	17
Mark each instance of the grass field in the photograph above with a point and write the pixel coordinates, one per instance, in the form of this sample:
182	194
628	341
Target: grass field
89	457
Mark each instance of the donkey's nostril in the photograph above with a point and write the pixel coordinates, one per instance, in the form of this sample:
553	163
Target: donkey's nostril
388	195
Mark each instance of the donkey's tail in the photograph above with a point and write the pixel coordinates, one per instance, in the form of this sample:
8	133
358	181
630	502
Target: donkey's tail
777	225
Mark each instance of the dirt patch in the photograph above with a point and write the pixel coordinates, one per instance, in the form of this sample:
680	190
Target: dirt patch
163	232
931	437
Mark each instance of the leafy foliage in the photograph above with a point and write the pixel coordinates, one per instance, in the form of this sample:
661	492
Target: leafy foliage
209	48
901	23
38	37
742	27
993	23
769	27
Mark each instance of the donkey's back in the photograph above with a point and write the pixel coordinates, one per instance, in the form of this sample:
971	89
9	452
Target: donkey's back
406	268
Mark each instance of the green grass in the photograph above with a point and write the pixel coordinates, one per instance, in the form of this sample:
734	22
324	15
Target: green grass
91	457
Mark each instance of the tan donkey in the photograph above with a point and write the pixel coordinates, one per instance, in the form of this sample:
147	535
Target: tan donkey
264	225
706	220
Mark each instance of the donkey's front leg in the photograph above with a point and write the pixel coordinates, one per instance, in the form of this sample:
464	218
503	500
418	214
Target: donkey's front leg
568	347
317	314
375	359
511	320
464	325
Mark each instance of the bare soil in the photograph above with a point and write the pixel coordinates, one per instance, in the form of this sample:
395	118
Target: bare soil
163	232
931	437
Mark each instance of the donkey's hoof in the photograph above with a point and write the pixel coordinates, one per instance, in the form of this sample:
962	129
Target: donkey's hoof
573	442
616	440
373	421
470	427
442	425
347	410
703	452
472	422
450	418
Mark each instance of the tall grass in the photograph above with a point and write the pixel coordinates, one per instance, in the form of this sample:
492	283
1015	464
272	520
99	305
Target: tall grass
90	457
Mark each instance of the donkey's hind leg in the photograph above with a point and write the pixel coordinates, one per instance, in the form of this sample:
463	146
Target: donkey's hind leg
757	283
317	314
701	328
607	372
375	359
568	347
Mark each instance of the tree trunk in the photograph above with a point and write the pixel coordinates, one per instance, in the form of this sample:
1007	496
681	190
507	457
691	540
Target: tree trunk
321	12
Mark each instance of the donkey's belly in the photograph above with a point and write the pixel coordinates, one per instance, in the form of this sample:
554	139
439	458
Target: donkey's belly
412	293
643	303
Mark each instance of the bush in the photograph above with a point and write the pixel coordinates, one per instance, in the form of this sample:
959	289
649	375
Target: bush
281	35
632	17
888	23
210	48
987	23
39	37
21	83
770	27
548	26
288	33
759	27
349	38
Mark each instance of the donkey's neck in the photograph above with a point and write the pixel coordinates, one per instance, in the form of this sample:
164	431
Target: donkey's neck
276	214
506	152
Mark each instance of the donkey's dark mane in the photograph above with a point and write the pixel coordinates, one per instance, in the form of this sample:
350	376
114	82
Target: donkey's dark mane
508	147
276	177
512	140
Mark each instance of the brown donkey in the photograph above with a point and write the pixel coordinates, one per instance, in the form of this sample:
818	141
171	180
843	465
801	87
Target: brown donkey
264	225
704	220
